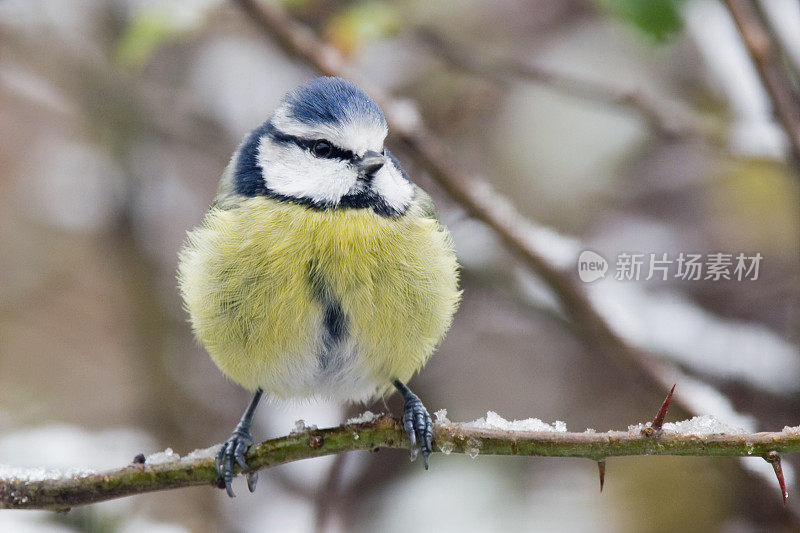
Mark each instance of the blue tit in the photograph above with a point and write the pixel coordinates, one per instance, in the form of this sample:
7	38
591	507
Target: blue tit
320	269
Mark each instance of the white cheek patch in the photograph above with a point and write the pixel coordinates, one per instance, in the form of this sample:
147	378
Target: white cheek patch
291	171
354	135
392	187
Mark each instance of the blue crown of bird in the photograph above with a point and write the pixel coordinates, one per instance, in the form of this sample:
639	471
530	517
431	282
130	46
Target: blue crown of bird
320	269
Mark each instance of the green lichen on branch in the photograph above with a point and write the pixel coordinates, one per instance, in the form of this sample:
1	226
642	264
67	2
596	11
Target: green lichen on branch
61	493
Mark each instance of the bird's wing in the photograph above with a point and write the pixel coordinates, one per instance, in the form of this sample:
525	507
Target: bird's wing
226	197
425	204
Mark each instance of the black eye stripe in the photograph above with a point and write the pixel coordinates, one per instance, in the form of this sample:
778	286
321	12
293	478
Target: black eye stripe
306	144
335	152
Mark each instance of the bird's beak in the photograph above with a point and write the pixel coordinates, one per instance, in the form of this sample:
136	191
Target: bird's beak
370	163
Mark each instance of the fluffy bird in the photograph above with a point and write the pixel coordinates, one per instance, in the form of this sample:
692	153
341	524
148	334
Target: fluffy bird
320	269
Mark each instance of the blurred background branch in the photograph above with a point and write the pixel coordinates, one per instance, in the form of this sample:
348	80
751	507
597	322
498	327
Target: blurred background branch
784	98
671	121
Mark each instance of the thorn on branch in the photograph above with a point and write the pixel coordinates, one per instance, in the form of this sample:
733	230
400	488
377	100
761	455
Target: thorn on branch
774	459
658	420
601	469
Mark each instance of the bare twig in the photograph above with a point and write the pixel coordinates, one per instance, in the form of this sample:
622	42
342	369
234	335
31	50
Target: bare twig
385	432
764	54
670	121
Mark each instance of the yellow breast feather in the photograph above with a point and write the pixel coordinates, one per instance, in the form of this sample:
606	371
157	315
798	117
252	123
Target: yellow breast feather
262	281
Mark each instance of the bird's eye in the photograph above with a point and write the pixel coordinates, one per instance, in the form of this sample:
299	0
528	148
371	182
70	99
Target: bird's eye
322	149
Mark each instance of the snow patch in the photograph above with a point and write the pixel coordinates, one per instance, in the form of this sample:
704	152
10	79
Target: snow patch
41	474
495	421
167	456
701	397
301	427
205	453
441	417
794	431
365	417
702	425
636	429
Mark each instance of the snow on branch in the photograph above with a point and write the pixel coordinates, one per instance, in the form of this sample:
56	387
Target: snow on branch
492	435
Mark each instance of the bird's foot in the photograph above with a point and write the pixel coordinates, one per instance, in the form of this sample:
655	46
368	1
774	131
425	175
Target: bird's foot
232	453
417	423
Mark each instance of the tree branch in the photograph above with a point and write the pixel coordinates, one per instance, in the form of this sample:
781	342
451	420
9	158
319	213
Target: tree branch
62	493
764	54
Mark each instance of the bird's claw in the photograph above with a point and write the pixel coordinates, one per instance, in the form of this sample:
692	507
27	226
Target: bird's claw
231	453
419	427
